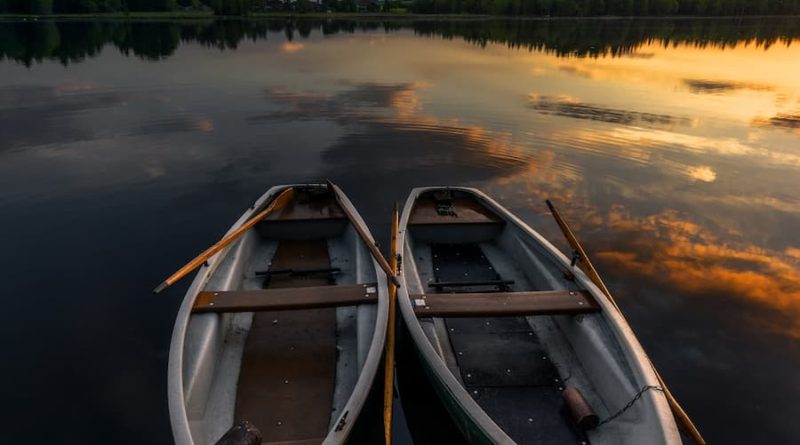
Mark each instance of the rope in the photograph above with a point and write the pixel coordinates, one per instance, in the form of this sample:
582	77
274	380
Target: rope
630	404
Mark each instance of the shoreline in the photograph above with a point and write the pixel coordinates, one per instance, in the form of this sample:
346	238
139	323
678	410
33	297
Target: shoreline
208	15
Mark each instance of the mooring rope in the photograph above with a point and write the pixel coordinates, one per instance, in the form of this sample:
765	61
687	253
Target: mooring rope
630	404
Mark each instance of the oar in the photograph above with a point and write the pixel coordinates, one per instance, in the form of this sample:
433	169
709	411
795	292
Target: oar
278	203
388	378
373	249
677	410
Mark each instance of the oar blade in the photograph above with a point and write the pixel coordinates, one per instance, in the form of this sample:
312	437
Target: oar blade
286	196
160	287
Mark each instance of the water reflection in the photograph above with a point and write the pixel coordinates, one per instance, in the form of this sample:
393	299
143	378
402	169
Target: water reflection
670	248
703	86
781	120
671	145
566	106
389	134
24	110
73	41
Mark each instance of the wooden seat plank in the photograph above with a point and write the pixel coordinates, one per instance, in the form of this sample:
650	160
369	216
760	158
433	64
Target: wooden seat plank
286	298
503	303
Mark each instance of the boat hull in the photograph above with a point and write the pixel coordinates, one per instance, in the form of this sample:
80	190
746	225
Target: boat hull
207	349
610	354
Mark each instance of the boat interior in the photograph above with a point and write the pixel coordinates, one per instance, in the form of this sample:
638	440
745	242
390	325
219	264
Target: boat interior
512	327
280	331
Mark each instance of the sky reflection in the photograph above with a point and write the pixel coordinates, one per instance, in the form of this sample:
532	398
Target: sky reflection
677	162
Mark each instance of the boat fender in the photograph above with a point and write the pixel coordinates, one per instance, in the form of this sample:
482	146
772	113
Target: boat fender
582	413
243	433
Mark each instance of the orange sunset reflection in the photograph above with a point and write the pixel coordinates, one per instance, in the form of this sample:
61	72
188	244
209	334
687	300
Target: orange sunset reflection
669	248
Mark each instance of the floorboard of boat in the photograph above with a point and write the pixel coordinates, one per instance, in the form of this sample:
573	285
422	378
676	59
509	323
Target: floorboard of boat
288	369
502	363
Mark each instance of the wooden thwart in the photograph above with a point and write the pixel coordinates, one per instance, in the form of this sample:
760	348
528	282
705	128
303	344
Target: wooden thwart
286	298
503	304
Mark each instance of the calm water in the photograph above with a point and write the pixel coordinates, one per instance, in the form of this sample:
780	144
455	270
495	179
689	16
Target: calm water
125	148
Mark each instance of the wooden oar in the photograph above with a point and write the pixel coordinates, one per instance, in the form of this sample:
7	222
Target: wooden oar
683	418
278	203
388	378
373	249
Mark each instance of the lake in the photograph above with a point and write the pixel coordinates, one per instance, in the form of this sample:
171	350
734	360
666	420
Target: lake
672	146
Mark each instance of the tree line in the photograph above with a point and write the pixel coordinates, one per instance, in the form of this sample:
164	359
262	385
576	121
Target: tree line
563	8
587	8
227	7
74	41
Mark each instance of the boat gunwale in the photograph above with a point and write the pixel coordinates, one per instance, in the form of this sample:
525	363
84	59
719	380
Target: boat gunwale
635	356
338	434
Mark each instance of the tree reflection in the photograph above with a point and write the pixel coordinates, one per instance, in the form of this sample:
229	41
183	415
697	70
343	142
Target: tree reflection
73	41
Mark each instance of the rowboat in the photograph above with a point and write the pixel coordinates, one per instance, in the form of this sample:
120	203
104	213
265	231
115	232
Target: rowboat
518	344
283	329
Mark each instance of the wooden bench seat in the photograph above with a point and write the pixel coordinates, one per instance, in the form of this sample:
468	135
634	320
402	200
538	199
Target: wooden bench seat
503	303
286	298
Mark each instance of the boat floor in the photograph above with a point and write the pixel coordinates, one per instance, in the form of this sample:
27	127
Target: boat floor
501	360
287	376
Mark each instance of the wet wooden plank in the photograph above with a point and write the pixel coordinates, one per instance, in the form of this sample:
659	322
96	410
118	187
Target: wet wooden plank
503	303
286	299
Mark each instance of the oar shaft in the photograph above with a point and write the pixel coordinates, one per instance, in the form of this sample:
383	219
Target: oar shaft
278	203
681	416
576	245
388	380
373	249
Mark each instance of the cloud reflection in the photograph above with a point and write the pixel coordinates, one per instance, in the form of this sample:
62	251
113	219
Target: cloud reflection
576	71
570	107
174	125
387	132
704	86
702	144
786	121
670	248
26	110
702	173
292	47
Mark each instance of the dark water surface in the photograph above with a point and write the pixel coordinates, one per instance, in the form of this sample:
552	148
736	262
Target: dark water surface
128	147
